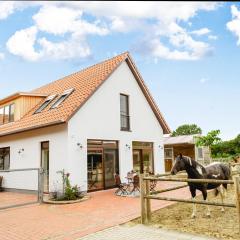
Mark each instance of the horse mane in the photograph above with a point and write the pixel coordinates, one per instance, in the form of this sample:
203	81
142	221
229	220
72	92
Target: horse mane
196	165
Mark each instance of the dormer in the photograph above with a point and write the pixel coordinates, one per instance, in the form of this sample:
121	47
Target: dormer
15	106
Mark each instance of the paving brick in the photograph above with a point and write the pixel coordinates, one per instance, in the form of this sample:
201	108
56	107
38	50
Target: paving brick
72	221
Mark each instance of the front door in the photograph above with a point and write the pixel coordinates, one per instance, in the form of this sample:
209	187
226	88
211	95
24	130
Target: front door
168	156
45	165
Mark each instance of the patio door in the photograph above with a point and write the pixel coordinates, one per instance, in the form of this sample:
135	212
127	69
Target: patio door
143	157
110	167
95	169
137	161
102	164
45	165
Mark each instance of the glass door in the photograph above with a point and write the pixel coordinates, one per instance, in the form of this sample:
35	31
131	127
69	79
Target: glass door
95	169
147	161
137	161
110	167
45	165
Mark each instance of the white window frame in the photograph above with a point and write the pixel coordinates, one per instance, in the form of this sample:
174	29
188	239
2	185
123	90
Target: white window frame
49	99
66	93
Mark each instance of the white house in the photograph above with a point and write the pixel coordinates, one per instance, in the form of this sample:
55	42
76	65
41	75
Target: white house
92	124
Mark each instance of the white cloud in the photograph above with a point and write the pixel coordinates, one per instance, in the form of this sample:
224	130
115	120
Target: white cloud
52	19
7	8
153	20
76	46
200	32
234	24
22	44
2	56
213	37
203	80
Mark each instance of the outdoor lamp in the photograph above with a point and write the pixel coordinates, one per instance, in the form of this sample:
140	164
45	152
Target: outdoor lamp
127	146
20	151
80	145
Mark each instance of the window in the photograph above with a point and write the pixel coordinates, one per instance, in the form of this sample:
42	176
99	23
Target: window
200	153
168	153
7	114
11	113
124	112
45	104
62	98
4	158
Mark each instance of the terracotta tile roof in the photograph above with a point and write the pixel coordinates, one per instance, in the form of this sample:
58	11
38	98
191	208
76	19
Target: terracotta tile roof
85	83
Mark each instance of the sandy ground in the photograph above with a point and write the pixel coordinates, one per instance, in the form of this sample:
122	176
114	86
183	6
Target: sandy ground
222	225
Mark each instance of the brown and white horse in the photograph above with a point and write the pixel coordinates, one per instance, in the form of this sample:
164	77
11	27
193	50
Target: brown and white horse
196	171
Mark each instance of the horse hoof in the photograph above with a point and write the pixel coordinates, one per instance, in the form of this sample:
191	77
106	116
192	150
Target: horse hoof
193	216
208	215
222	210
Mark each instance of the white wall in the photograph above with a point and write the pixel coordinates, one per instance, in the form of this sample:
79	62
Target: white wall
99	118
31	157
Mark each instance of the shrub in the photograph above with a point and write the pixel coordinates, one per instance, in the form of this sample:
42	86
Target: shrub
69	192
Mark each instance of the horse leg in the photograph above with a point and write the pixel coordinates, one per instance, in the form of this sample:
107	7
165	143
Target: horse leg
193	193
222	195
204	193
224	190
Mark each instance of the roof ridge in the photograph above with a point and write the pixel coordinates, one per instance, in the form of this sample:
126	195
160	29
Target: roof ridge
82	70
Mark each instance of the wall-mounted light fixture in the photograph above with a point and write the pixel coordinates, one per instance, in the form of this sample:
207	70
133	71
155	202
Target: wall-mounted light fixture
160	146
80	145
128	146
20	150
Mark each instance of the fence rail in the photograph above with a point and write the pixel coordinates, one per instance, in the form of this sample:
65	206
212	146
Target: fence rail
146	195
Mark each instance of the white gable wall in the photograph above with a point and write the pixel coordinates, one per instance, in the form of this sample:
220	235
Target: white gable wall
99	118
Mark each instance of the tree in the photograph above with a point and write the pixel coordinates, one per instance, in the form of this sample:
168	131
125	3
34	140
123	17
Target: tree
230	148
187	129
210	139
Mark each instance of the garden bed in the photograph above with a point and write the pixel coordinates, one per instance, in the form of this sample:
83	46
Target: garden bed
223	225
52	201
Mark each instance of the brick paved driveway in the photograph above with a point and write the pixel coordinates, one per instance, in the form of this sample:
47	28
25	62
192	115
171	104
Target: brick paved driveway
66	222
8	199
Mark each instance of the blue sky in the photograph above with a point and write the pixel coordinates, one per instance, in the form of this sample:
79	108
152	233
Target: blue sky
187	53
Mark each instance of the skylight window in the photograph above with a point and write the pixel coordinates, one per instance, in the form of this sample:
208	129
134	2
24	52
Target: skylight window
62	98
45	104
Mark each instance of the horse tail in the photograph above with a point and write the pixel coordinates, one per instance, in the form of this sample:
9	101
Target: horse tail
227	174
216	191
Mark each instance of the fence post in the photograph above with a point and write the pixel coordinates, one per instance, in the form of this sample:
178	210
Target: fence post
142	194
237	195
40	185
148	201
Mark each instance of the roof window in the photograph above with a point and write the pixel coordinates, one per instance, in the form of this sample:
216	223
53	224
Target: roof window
62	98
46	103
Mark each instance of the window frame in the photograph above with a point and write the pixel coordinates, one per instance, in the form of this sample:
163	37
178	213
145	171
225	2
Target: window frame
2	148
125	115
202	157
63	96
46	103
7	113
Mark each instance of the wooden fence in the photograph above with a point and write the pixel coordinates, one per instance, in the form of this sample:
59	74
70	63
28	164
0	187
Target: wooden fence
147	195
